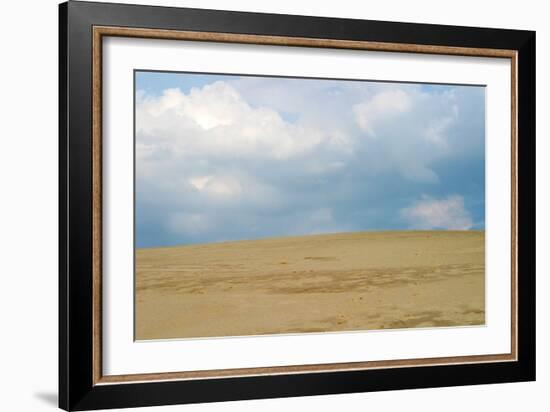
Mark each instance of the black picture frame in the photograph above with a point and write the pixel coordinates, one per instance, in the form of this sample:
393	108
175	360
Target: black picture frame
77	389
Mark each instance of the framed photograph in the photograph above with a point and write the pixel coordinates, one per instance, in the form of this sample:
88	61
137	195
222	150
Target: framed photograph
257	205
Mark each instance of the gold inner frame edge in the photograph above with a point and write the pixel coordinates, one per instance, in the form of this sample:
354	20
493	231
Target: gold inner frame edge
101	31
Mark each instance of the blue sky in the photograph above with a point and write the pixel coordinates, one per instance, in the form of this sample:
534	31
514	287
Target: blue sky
242	157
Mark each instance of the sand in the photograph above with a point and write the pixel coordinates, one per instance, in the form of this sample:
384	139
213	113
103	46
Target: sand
319	283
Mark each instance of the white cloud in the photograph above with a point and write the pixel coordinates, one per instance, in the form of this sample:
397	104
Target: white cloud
217	120
199	182
219	185
436	131
409	128
446	213
383	106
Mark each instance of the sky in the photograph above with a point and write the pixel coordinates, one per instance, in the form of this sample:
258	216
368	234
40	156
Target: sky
227	157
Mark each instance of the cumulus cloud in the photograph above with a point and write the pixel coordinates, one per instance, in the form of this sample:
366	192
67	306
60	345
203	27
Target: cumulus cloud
410	127
216	120
217	185
249	157
382	107
446	213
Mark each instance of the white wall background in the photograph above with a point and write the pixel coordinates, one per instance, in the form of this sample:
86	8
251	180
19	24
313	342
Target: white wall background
28	203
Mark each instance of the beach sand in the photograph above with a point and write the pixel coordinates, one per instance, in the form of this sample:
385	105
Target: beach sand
318	283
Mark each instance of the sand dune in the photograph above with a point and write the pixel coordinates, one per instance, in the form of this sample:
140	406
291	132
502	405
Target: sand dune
334	282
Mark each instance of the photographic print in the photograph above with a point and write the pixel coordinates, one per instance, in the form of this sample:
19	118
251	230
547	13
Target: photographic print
275	205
